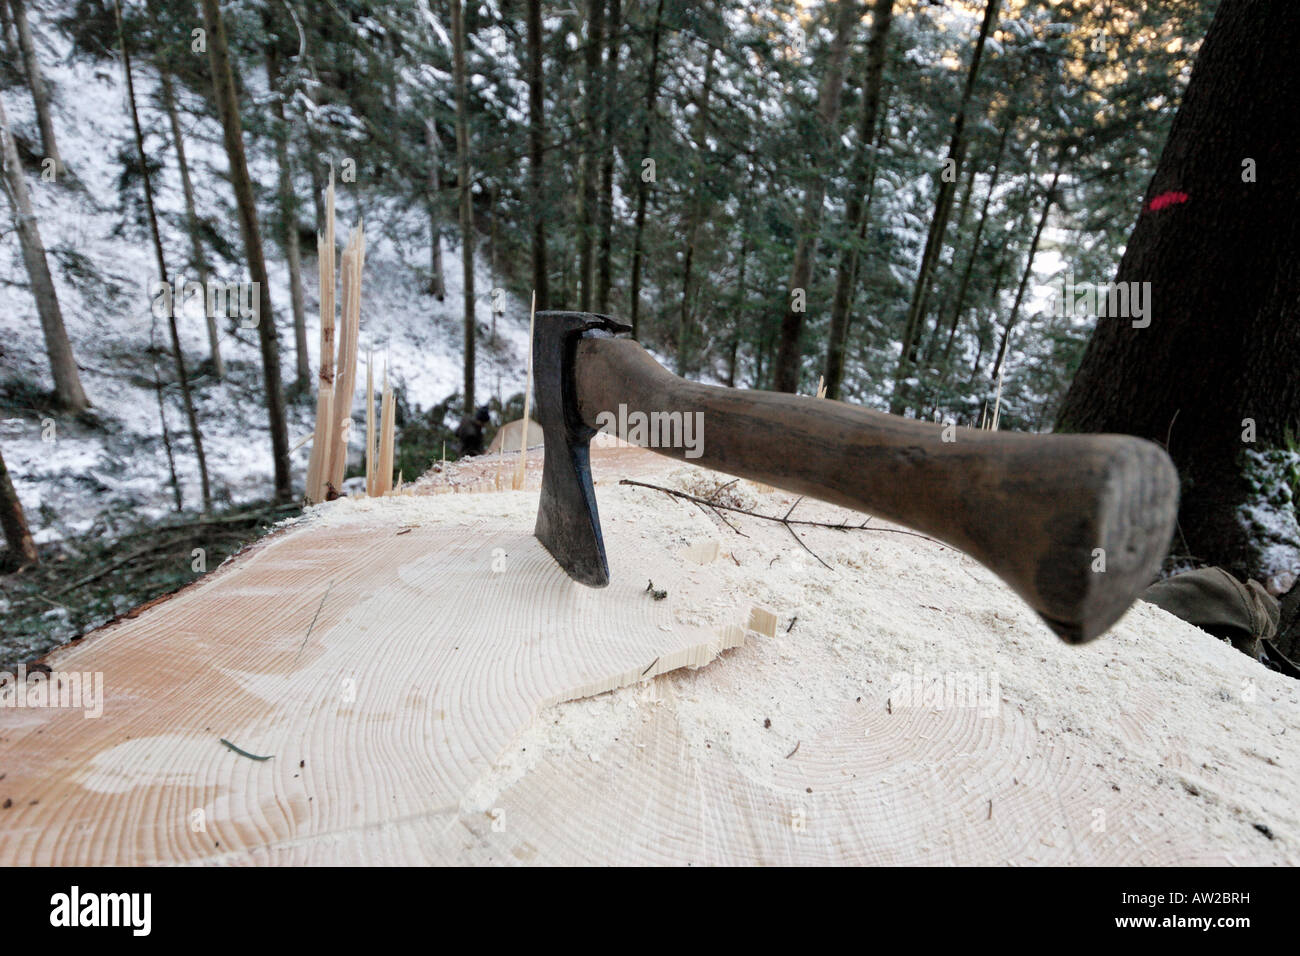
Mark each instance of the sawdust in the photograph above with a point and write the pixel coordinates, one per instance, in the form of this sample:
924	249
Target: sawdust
1197	737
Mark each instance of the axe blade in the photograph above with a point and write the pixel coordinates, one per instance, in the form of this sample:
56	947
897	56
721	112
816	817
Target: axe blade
568	525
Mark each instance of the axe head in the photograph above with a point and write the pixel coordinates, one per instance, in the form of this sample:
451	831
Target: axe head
567	522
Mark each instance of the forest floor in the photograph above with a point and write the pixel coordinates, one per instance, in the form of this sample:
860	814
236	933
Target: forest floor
84	582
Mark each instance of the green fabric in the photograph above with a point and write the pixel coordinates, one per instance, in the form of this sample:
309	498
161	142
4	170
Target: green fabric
1215	601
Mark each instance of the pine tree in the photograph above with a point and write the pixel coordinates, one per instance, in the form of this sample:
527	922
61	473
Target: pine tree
178	357
36	82
68	393
14	523
790	355
227	100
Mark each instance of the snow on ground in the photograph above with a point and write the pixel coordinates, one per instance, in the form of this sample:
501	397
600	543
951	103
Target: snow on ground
103	264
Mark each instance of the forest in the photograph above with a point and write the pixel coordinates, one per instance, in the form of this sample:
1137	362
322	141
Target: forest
993	213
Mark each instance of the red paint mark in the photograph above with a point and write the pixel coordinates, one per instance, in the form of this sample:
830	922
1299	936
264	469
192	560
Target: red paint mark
1166	199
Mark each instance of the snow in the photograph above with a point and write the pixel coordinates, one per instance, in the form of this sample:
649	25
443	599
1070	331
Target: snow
1270	518
104	267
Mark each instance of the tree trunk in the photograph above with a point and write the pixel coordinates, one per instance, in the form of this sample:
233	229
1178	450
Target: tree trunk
7	30
1213	375
733	346
790	354
939	222
199	261
590	153
466	195
437	282
316	172
605	226
960	299
536	151
162	420
36	82
984	332
14	522
223	82
63	367
642	186
178	355
1029	268
288	202
856	207
695	213
932	332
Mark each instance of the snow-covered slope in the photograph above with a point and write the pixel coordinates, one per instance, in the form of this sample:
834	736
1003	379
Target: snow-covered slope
103	264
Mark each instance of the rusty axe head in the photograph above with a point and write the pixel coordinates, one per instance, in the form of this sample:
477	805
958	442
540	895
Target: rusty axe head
567	522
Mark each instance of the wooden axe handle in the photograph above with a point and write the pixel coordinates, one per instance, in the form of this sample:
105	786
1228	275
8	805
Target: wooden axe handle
1044	512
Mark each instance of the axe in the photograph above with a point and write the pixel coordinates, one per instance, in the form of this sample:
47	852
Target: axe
1077	525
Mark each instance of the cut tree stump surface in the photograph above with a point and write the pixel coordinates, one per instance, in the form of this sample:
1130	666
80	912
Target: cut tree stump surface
459	700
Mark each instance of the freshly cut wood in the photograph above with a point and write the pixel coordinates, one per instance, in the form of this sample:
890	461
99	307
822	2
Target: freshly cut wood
371	438
431	688
517	481
354	743
387	441
323	441
354	254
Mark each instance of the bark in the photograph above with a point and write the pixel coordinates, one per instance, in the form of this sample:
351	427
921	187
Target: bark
932	332
733	346
1007	329
790	353
63	367
492	254
437	282
605	225
856	206
939	222
162	419
316	172
13	522
7	30
198	260
536	151
36	82
223	82
288	202
178	356
1221	254
466	196
694	215
642	187
984	332
959	300
588	163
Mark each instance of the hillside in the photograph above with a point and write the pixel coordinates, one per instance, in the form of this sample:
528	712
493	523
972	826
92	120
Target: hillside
103	266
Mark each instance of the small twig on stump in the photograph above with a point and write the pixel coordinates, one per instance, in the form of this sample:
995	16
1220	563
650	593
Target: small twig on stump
842	525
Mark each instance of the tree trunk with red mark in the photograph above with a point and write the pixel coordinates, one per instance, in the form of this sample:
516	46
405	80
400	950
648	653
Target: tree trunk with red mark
1220	354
